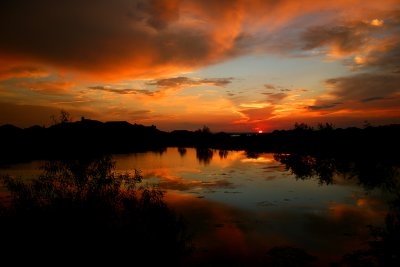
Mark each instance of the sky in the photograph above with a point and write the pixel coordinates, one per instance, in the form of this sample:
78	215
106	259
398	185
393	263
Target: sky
232	65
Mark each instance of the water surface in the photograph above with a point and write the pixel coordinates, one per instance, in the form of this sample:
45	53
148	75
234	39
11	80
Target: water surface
238	205
241	205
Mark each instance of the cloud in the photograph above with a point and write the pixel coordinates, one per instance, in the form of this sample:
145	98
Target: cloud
363	86
374	98
47	87
253	115
98	42
386	58
269	86
22	72
370	96
185	81
278	101
372	48
150	39
164	85
160	13
121	91
72	102
136	114
377	22
326	106
340	39
275	97
101	37
360	36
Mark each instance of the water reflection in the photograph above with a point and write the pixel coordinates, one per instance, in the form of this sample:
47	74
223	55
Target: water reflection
261	209
371	172
182	151
204	155
223	154
248	203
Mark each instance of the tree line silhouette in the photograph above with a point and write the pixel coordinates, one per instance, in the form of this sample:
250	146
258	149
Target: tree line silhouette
66	139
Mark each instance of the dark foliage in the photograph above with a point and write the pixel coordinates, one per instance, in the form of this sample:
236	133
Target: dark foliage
95	137
289	257
82	212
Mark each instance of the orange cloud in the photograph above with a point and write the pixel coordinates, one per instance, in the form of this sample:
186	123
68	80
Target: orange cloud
368	94
254	115
186	82
120	39
121	91
22	72
47	87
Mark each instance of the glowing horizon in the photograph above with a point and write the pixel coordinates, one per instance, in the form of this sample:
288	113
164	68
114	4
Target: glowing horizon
231	65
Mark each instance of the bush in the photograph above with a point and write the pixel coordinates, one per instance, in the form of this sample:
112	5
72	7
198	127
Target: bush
81	210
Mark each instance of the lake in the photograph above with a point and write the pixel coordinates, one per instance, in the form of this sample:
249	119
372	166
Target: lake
239	205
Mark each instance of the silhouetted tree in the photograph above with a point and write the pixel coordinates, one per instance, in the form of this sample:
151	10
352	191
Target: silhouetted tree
63	117
302	127
204	130
367	124
326	127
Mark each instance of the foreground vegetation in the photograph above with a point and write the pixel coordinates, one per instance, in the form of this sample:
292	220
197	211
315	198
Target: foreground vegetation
82	212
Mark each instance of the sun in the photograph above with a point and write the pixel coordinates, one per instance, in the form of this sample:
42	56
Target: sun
260	132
